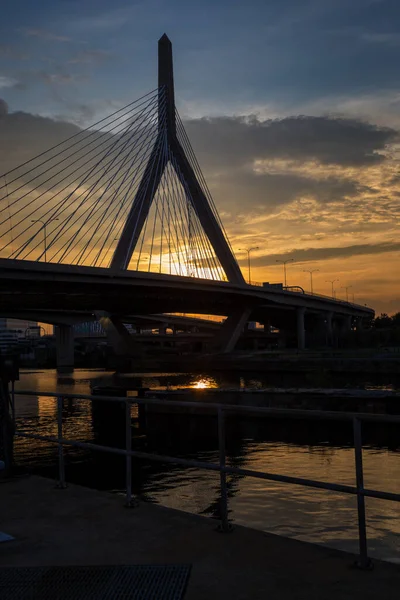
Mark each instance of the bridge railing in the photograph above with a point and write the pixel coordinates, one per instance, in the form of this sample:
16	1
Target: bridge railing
297	289
221	411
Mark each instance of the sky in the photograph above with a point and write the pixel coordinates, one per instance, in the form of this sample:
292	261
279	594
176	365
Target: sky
292	107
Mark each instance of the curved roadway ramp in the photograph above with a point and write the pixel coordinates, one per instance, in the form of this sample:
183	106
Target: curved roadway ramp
135	582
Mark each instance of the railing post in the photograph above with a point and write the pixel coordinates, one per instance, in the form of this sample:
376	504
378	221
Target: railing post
128	457
224	526
61	466
364	562
13	401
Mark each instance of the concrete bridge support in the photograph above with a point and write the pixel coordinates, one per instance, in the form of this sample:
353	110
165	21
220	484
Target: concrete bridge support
359	324
325	325
64	348
329	328
227	337
344	324
118	335
301	330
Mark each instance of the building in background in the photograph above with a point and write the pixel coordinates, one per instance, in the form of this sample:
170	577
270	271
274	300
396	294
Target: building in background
14	330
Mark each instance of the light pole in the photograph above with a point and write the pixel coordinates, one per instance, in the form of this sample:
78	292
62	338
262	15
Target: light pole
248	250
346	287
45	223
332	281
284	262
311	271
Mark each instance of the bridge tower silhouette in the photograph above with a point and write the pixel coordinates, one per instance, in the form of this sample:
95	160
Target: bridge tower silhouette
126	191
152	176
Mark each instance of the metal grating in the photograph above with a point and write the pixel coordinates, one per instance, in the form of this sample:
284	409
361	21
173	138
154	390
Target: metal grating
136	582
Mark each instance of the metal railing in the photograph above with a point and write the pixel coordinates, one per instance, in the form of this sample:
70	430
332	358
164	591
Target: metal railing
297	289
221	410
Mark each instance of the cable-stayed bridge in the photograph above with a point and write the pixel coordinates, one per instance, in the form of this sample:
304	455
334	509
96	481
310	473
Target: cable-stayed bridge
118	220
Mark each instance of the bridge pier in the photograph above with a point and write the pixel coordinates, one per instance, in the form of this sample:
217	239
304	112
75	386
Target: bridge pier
64	348
117	334
344	323
301	331
326	329
329	328
359	324
228	335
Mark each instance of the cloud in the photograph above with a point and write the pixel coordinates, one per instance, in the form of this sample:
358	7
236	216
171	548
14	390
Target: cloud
389	39
24	136
3	108
77	113
300	255
7	82
46	35
90	57
60	78
245	191
12	53
329	140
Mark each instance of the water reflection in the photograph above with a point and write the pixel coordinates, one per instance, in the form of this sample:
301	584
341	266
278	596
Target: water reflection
315	450
203	383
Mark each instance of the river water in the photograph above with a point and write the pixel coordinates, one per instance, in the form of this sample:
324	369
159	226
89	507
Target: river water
307	514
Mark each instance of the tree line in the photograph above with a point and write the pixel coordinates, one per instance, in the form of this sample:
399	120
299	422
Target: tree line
386	322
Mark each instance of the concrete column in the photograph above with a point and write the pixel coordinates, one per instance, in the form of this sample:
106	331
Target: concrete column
231	329
118	335
359	324
329	328
64	348
329	325
301	332
345	324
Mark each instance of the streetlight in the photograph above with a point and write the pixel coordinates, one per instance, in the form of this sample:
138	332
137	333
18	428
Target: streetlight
346	287
284	262
45	223
332	281
311	271
248	250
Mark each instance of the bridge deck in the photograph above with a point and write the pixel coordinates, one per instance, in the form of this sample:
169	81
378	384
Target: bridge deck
28	285
79	526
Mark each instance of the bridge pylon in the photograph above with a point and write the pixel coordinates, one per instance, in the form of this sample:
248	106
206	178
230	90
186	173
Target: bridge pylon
168	149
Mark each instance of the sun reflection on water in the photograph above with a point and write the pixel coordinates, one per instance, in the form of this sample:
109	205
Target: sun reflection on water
204	383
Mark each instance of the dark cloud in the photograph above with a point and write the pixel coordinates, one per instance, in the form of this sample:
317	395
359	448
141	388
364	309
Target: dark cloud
231	141
236	187
315	254
242	190
3	108
23	136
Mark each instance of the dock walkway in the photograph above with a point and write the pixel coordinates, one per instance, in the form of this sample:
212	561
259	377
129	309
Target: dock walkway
81	526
